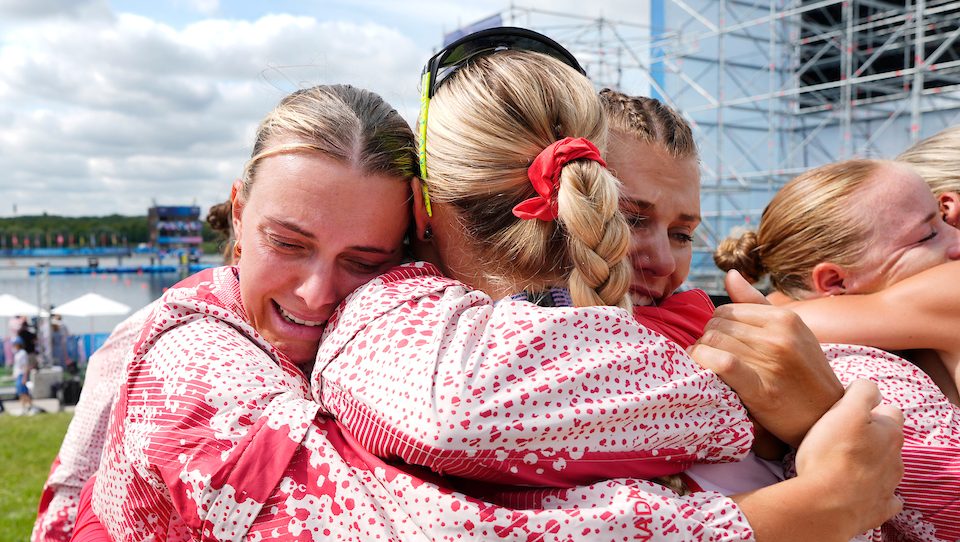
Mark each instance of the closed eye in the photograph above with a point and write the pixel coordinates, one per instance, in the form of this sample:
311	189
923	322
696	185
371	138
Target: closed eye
930	237
364	267
282	244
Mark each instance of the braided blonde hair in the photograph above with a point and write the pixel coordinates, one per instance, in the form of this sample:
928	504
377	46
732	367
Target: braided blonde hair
486	125
650	121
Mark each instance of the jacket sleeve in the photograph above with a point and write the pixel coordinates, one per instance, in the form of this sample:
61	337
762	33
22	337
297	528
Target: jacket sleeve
79	453
931	448
205	426
520	394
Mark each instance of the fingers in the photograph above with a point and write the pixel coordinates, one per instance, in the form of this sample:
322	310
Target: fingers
727	366
758	315
739	338
864	396
891	412
861	394
741	291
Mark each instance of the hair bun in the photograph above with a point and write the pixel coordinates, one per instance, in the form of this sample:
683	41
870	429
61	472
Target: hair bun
220	218
741	253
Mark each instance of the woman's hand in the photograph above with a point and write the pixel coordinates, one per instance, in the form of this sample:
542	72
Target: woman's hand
847	469
855	452
770	358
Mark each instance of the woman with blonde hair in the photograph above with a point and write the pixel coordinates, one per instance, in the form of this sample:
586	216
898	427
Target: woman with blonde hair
498	377
854	246
213	434
652	151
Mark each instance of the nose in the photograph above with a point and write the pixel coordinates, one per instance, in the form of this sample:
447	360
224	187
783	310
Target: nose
317	288
650	253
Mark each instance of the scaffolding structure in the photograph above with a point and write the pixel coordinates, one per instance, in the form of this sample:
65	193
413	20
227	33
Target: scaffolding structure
773	88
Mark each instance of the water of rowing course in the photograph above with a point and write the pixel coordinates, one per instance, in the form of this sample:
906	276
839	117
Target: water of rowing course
133	289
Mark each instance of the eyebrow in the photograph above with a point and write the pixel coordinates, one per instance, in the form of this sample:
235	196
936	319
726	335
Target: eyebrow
644	205
286	224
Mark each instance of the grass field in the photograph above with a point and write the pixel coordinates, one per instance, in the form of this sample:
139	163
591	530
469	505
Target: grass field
28	445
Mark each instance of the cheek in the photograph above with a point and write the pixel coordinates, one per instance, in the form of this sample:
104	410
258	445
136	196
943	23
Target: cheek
681	262
682	259
910	264
263	275
931	260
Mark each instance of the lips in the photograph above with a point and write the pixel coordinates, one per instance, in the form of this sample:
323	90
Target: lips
642	296
288	316
283	330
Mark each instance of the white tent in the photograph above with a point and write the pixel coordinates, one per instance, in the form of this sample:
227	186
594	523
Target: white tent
14	306
91	304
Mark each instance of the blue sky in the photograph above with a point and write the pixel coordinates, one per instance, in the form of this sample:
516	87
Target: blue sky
109	106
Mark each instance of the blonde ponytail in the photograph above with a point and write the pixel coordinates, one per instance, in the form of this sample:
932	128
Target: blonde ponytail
487	124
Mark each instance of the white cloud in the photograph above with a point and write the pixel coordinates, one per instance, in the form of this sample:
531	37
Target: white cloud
124	110
103	112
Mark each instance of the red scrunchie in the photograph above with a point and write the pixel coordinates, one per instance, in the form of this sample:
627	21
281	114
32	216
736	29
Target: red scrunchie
544	174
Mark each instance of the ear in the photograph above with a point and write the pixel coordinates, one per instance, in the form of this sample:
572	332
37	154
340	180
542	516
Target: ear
950	208
828	278
420	218
236	207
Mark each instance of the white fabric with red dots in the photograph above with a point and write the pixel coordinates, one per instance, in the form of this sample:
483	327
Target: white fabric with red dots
215	436
421	369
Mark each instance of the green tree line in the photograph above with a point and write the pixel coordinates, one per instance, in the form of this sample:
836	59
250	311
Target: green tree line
53	231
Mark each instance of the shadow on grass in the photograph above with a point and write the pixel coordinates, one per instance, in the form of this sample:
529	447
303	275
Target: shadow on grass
28	445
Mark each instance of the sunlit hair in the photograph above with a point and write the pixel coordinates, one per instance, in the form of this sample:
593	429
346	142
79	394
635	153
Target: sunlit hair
937	160
348	124
650	121
807	222
485	126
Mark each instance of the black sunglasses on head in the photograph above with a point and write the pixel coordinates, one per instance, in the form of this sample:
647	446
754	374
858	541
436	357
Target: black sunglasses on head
443	64
452	57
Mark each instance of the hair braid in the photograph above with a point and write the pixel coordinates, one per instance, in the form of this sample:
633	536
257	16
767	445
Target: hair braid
598	236
650	121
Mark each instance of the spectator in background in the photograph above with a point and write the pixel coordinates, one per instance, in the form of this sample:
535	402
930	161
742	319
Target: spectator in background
28	336
59	353
13	329
21	371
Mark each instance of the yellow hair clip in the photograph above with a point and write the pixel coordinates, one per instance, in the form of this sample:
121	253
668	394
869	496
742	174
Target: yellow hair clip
422	143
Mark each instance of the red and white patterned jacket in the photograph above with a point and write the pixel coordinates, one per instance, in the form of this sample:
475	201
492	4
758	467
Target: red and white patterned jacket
216	436
930	488
932	473
420	368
